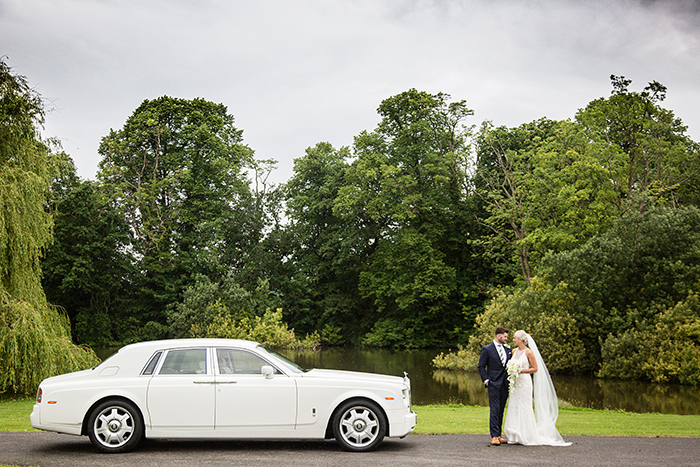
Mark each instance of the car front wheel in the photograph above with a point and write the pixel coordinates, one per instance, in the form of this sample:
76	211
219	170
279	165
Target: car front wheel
359	426
115	426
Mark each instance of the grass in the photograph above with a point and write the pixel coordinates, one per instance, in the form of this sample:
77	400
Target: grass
14	413
458	419
464	419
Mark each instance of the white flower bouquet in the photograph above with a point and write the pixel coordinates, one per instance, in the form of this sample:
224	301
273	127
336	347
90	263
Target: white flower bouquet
513	368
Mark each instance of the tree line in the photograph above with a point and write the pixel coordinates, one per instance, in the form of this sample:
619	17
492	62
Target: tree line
424	233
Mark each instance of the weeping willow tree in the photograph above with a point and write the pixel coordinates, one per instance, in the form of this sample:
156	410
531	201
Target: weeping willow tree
35	337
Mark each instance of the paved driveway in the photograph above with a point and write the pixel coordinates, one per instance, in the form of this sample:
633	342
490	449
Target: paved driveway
50	449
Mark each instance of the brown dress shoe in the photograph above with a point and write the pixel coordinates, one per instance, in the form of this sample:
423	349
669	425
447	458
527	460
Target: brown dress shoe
495	441
502	440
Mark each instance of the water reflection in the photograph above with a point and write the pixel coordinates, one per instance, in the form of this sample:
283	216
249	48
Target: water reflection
440	386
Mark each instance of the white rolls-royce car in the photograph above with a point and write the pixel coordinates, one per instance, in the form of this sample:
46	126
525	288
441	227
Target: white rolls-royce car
220	388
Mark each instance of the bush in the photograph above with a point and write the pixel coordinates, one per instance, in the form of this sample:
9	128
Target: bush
621	356
389	333
667	350
206	300
543	311
268	330
463	359
675	351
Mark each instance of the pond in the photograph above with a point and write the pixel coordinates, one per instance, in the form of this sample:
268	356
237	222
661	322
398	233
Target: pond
430	386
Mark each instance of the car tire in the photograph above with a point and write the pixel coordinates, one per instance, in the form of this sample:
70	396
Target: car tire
115	426
359	425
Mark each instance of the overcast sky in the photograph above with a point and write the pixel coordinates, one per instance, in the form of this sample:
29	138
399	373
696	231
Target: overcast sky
294	73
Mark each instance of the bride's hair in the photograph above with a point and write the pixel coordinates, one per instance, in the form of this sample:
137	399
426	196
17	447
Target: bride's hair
522	335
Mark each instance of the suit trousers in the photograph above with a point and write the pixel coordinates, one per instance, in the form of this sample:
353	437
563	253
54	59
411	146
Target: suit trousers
498	396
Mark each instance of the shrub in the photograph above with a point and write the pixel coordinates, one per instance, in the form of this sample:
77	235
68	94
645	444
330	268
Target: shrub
665	350
543	311
268	330
463	359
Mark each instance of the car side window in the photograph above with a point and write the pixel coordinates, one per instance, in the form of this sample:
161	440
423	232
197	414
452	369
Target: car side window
185	362
151	364
239	362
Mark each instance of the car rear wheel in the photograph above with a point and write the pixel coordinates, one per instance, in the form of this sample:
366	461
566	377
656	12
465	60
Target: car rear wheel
359	426
115	426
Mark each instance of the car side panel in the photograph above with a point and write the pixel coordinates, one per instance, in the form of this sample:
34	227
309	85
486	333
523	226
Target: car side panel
318	398
65	405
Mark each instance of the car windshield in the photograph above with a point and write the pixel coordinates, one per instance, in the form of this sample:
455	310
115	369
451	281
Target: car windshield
293	366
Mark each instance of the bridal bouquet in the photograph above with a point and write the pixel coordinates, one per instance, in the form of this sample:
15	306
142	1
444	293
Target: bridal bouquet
513	368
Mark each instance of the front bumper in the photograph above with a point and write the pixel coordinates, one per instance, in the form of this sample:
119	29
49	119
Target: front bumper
400	428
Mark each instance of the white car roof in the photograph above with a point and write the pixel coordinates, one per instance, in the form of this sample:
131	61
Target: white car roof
179	343
132	358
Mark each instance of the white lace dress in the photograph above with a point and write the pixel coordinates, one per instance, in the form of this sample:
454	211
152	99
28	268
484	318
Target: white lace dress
520	426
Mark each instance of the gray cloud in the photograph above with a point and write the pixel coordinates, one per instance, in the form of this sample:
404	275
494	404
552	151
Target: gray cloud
296	73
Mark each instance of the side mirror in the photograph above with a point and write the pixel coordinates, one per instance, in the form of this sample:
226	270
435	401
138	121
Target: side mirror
267	371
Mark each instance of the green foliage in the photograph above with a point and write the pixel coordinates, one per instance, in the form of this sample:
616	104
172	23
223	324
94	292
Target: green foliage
35	338
87	269
643	146
391	333
205	300
321	292
543	190
35	344
268	329
666	350
625	300
25	163
547	314
623	278
405	197
174	172
395	242
462	359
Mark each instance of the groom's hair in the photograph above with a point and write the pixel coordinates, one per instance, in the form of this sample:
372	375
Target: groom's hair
500	330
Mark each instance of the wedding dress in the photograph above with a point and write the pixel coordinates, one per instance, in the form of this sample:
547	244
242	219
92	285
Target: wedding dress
526	426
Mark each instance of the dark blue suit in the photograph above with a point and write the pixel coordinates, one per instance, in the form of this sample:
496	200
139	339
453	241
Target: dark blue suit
491	368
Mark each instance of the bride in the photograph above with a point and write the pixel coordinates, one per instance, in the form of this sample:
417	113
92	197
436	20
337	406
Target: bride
522	424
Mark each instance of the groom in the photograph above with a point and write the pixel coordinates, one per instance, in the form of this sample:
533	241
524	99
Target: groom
492	369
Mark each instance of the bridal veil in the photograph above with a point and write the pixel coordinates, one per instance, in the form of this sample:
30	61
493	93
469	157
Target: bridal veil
545	398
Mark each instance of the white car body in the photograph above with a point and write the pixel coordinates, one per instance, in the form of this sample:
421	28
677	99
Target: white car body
193	389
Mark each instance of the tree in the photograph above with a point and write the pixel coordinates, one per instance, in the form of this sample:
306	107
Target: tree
643	146
87	269
174	171
406	196
624	278
541	190
324	264
34	337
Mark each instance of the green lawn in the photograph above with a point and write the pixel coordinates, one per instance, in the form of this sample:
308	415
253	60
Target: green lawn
14	413
455	419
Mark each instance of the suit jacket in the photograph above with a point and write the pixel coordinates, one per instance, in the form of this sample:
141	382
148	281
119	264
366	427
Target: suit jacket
490	366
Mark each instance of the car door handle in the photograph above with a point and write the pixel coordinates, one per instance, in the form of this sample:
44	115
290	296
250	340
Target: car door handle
226	382
204	382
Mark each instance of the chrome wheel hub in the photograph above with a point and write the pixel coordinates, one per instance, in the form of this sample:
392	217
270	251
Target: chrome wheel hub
359	426
113	426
